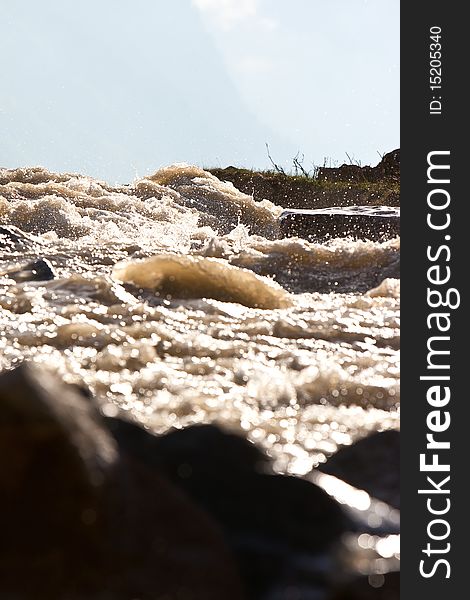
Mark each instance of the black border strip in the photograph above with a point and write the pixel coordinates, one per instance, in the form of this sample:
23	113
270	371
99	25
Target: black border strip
422	132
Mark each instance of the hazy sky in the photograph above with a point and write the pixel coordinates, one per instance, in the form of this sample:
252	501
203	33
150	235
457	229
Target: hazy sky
119	88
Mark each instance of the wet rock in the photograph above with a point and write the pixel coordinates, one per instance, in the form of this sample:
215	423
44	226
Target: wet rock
37	270
54	461
372	464
270	520
375	223
79	520
11	236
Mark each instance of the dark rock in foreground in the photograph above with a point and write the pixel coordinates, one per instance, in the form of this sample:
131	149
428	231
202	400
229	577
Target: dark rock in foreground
374	223
37	270
371	464
79	520
269	520
98	508
375	587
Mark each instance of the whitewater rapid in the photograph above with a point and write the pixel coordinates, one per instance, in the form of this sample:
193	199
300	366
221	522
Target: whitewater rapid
175	302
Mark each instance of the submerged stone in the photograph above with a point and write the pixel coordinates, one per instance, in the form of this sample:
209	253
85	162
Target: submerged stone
374	223
11	236
37	270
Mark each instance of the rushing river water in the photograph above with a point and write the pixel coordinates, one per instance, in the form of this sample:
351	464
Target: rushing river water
175	301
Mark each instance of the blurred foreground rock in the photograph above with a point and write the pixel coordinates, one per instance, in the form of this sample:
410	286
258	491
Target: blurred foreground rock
372	464
379	587
276	525
79	520
98	508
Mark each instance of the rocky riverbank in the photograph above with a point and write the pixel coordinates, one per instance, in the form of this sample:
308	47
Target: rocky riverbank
347	185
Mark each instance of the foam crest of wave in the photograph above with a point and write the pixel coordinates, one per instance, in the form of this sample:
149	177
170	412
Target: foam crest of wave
197	277
219	203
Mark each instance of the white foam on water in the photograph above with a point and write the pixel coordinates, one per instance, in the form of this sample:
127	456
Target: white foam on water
175	302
